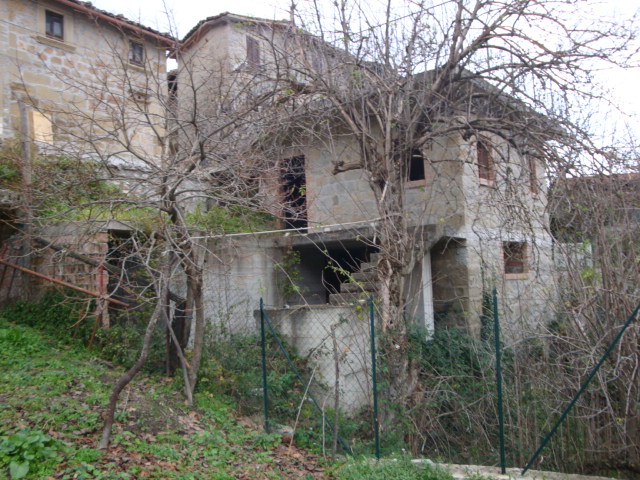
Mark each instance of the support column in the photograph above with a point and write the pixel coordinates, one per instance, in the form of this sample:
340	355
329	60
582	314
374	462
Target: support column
427	296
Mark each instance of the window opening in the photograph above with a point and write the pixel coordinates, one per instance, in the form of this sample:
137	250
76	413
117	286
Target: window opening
136	53
415	166
515	257
122	253
485	162
294	189
54	25
533	176
253	53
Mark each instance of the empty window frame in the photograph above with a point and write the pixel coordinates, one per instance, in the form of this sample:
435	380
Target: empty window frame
486	172
54	25
136	53
415	166
294	192
515	257
533	175
253	53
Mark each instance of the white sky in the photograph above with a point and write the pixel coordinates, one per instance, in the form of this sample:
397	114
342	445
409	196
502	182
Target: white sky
623	84
186	13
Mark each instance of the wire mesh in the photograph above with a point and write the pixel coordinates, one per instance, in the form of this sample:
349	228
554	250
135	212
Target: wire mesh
328	348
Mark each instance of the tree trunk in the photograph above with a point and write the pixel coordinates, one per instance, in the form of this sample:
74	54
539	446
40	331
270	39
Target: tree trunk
195	283
127	377
394	252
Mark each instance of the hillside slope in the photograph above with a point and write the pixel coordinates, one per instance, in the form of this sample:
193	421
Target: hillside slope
51	400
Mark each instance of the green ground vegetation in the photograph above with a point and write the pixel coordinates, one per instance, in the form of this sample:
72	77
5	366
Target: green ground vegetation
53	391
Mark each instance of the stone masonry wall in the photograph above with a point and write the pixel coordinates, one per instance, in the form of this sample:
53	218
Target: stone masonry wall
77	88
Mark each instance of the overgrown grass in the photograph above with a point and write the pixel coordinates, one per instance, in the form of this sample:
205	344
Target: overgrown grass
220	219
52	394
239	377
67	318
40	388
390	469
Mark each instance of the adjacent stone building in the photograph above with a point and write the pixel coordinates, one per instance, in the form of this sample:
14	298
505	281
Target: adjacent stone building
83	74
81	84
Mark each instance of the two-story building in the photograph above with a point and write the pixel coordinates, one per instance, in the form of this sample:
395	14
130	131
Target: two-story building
85	85
475	203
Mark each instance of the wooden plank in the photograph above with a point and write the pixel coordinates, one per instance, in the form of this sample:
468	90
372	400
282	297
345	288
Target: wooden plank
62	283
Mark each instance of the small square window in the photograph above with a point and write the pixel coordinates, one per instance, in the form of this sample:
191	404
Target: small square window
485	162
515	257
136	53
54	25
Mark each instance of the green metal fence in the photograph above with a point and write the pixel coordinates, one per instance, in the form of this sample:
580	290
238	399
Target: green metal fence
330	353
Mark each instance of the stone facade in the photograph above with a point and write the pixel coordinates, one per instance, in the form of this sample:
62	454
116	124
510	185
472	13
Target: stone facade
83	75
86	85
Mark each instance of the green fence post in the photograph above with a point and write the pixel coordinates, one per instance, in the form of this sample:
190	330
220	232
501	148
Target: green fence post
374	378
496	334
265	390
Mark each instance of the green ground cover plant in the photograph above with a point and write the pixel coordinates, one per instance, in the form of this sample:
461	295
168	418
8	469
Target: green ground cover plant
53	392
390	469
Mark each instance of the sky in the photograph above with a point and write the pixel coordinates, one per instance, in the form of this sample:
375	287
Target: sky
624	85
186	13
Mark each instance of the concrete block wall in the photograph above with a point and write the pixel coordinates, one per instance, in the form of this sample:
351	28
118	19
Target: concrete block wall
347	197
238	272
308	329
450	277
342	198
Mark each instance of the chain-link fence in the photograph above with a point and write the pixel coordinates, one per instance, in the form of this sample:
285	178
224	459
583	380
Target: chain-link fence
316	364
330	351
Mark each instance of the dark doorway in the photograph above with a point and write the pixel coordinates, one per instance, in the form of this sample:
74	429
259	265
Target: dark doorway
131	281
294	186
415	166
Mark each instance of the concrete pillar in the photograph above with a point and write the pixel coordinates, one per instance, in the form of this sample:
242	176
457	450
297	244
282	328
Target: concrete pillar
427	296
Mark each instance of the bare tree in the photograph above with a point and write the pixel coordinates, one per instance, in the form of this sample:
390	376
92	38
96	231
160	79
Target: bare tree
499	77
595	213
148	148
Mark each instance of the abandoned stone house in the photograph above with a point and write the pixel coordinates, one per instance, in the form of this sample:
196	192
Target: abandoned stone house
70	75
476	206
479	206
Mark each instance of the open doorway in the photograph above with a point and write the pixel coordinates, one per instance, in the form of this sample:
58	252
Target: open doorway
324	270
